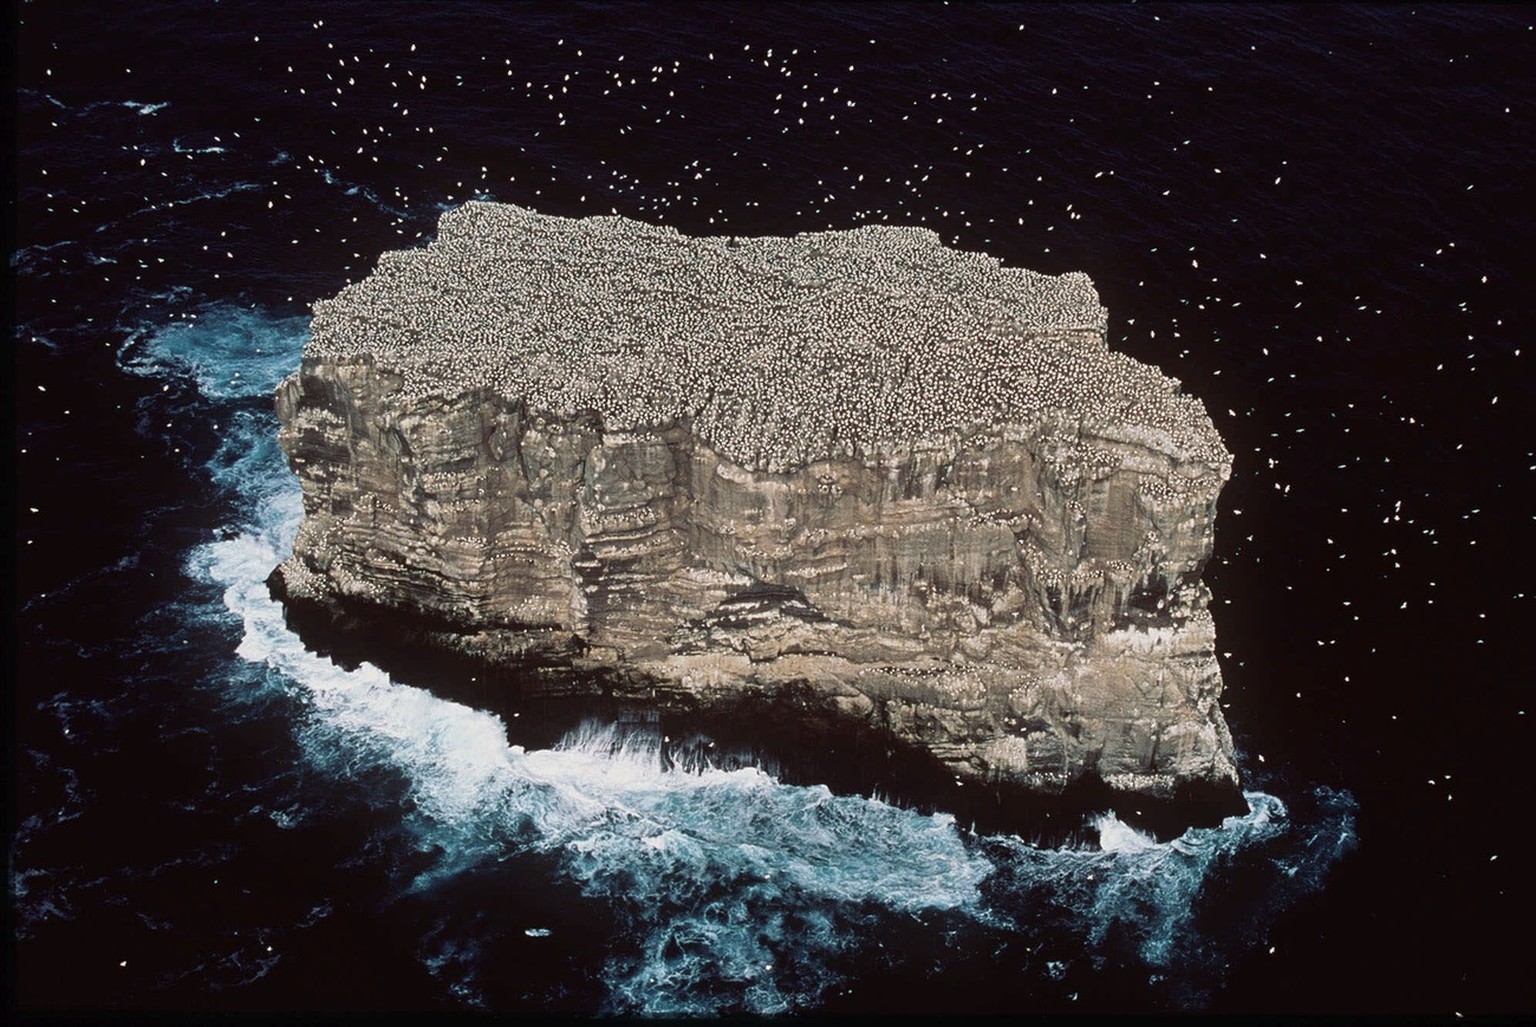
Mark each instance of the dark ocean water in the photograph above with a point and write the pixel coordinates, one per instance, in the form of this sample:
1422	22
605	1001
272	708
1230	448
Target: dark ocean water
1318	218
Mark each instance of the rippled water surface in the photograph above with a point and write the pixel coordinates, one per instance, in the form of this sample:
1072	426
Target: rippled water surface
1310	216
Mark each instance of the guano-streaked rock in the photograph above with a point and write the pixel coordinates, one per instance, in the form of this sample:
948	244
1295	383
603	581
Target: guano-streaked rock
902	480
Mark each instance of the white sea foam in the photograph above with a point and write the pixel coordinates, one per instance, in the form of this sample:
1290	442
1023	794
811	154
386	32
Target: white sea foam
182	201
145	108
231	352
176	145
1115	836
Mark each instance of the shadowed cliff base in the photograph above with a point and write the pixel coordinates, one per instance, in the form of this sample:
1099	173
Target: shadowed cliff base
794	732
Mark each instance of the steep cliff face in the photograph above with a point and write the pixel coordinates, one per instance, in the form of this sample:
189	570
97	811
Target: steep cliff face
1010	582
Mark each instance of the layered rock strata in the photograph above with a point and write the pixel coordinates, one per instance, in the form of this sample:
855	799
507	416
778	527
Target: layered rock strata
907	485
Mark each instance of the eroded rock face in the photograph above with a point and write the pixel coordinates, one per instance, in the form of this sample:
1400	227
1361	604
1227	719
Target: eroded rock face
1010	583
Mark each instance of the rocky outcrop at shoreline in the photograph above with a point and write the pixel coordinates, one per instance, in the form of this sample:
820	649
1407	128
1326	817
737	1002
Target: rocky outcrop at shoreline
907	485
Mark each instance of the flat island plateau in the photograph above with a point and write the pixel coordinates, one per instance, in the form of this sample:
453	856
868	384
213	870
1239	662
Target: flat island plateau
890	508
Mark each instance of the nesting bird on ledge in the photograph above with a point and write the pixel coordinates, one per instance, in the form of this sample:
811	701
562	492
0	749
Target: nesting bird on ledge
778	350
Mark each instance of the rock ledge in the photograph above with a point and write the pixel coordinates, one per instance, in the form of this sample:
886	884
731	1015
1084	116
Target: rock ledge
906	485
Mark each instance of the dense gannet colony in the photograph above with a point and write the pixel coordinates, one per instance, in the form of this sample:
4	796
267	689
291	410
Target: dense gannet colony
779	350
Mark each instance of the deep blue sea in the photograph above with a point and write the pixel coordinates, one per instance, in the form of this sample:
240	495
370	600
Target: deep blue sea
1318	218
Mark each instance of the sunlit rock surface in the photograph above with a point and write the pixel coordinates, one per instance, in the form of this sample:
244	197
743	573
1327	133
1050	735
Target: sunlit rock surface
906	485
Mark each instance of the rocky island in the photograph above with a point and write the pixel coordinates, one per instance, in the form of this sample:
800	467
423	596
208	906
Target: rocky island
855	480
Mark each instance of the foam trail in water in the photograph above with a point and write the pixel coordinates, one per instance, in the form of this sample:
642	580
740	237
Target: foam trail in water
231	352
1184	908
758	878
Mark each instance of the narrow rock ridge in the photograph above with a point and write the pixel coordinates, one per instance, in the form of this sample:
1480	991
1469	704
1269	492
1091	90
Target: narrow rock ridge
903	483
